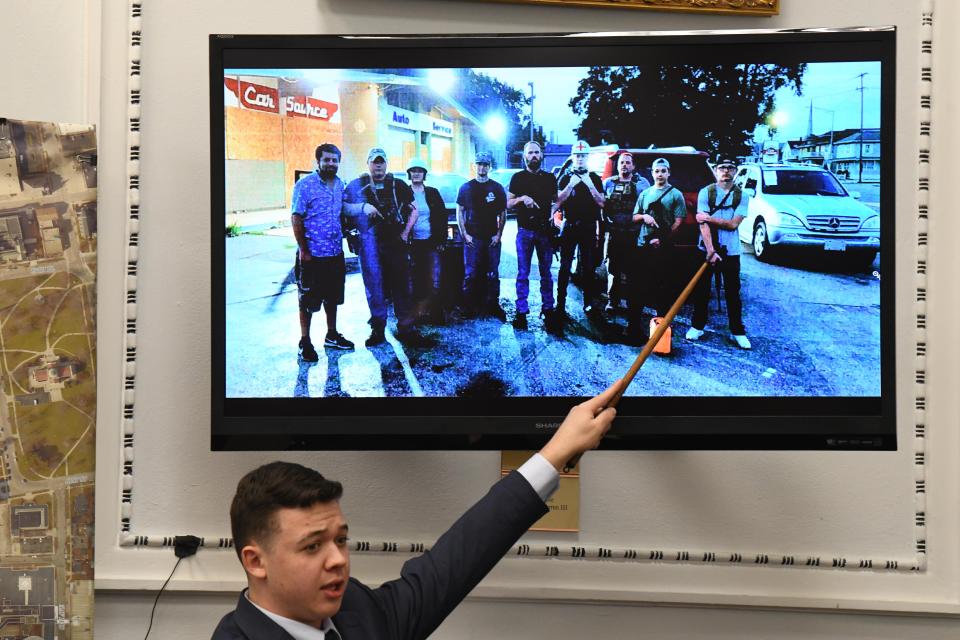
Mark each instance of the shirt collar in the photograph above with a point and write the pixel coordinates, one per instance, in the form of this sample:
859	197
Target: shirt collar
298	630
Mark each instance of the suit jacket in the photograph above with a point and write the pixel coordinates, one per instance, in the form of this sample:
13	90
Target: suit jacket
430	586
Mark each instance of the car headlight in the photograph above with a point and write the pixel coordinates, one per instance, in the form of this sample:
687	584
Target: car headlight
788	220
873	222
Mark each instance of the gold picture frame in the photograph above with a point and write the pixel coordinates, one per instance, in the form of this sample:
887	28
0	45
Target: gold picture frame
729	7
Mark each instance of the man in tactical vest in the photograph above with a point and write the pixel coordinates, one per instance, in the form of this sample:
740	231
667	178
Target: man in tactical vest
581	199
621	192
382	209
721	207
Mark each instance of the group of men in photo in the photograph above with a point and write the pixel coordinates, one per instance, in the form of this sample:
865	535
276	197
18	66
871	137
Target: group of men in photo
398	230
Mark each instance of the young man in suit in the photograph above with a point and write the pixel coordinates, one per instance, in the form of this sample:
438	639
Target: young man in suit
291	538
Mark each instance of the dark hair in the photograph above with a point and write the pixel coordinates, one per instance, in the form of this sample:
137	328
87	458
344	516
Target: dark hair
266	490
329	148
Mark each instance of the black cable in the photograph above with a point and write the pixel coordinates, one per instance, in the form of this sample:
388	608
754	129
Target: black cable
152	611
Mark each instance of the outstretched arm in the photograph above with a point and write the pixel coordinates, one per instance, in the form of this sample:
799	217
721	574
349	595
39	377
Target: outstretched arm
433	584
583	428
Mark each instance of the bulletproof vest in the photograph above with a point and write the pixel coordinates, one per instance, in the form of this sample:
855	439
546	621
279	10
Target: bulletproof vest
385	199
620	203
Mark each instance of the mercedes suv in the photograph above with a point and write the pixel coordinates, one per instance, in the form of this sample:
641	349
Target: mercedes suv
805	206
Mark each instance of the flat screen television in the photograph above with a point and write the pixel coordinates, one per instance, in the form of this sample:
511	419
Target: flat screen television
807	118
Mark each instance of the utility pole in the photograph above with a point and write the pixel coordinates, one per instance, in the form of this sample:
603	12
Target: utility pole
860	145
829	164
531	109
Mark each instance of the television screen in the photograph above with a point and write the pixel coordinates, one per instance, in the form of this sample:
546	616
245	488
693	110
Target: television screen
445	242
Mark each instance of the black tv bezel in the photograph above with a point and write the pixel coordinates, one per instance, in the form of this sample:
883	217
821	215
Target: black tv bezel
728	423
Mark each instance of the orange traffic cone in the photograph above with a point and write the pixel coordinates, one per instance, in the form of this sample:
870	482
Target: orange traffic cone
663	345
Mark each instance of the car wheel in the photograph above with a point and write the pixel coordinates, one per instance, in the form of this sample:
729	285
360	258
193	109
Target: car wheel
761	242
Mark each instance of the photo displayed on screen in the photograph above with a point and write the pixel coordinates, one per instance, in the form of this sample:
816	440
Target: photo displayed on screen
395	232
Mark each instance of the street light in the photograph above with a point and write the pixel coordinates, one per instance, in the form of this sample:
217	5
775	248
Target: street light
778	119
495	127
441	80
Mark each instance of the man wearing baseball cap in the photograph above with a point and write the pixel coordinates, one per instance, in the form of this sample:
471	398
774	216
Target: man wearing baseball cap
382	209
481	215
721	207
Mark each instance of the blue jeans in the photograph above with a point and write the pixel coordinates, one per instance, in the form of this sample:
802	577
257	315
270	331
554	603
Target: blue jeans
481	273
527	241
385	268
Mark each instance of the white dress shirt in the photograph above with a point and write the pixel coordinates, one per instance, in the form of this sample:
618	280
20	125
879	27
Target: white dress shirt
298	630
541	475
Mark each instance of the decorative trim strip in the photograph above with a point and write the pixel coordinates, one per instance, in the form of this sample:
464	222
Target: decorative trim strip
920	306
132	255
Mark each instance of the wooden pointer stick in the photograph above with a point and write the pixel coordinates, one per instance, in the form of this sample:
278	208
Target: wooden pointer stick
648	349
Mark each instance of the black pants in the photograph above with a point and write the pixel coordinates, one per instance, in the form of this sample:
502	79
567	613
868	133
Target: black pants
650	281
425	271
569	241
620	249
729	269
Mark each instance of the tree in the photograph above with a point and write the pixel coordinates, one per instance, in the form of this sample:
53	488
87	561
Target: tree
711	107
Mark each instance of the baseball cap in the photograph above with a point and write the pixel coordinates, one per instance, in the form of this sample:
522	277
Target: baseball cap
483	156
724	160
376	152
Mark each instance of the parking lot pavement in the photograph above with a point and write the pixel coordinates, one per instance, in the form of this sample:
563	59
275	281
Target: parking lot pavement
815	331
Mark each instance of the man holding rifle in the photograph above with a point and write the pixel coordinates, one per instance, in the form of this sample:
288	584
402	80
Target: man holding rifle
721	207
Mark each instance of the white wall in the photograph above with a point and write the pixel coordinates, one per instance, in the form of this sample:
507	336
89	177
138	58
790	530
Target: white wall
181	487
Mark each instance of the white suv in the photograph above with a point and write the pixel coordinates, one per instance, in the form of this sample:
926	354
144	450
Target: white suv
806	206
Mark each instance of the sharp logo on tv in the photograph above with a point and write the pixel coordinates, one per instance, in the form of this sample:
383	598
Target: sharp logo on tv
502	282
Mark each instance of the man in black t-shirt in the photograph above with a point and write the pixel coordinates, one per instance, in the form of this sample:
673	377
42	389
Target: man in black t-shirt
481	214
530	196
581	199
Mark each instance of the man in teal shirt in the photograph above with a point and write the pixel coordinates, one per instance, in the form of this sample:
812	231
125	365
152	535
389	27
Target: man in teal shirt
660	210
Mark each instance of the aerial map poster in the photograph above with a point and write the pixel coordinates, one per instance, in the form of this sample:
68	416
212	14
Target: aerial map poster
48	262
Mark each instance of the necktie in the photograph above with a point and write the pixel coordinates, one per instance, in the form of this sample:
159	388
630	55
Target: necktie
331	634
